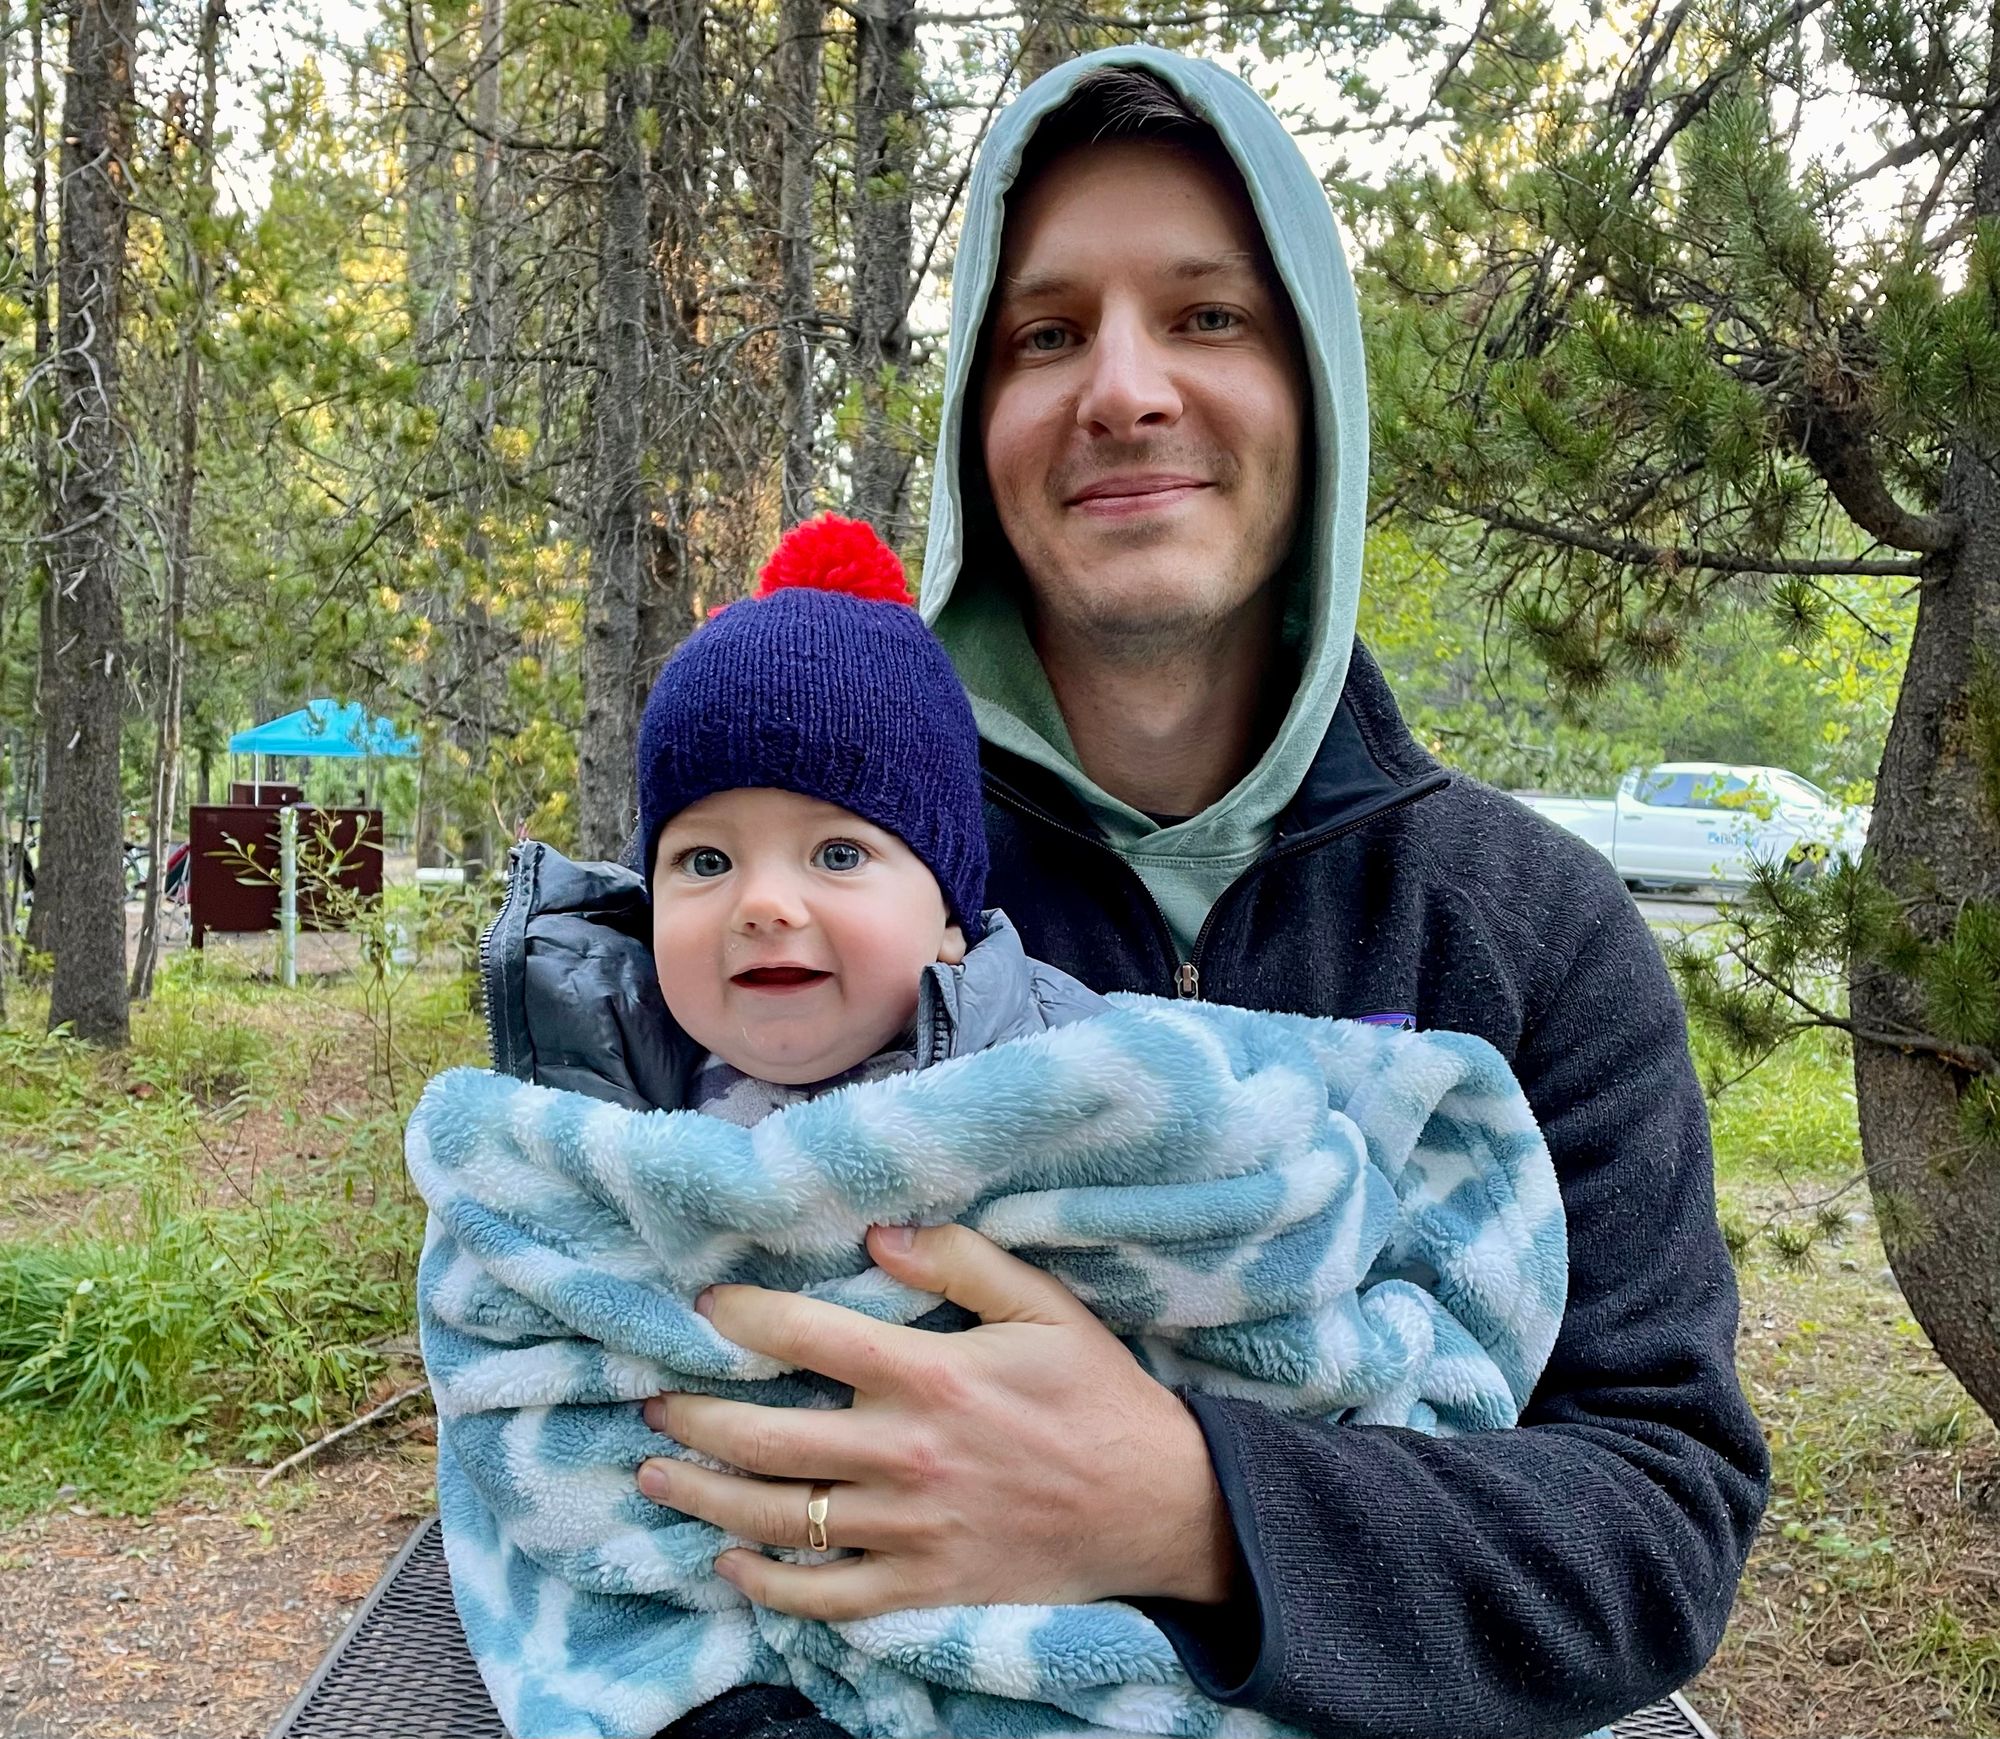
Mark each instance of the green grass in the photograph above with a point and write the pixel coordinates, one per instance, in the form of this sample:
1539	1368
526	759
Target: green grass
1791	1120
204	1239
1871	1585
200	1240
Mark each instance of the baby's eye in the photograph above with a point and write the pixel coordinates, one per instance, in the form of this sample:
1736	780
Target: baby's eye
704	862
840	855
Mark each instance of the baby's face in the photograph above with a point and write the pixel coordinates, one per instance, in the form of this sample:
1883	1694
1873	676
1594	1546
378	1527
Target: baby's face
789	934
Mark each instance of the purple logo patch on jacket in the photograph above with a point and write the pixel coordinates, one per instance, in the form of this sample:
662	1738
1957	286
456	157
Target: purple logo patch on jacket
1402	1022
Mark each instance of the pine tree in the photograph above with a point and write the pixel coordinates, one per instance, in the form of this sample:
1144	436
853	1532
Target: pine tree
1659	360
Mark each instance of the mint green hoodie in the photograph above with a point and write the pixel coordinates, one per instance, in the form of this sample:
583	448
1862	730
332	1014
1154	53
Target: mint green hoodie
1188	865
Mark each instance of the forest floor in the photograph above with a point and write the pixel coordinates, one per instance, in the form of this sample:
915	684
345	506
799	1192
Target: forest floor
232	1190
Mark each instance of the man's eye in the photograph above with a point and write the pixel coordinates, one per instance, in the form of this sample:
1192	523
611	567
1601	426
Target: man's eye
705	862
1055	336
839	855
1215	319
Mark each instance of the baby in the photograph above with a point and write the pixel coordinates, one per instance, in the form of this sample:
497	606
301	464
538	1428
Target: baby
810	825
811	834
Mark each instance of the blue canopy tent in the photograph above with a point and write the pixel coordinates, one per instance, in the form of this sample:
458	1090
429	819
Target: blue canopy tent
342	729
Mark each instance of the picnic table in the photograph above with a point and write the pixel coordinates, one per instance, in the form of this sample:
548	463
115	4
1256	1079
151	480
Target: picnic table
401	1667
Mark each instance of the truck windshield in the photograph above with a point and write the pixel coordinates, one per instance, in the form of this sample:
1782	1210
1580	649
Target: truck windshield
1790	788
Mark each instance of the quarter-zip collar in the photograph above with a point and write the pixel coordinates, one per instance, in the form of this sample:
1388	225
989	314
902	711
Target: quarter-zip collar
1366	762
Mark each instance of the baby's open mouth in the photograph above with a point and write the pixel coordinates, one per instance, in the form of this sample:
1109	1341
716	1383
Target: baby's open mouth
778	977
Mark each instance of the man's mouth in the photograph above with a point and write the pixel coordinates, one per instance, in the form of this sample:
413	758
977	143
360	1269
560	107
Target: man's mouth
778	977
1137	492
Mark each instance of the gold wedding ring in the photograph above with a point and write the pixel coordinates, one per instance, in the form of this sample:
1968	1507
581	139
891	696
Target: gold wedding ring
816	1504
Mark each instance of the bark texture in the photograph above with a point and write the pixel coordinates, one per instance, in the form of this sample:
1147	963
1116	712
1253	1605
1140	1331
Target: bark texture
606	805
799	30
82	871
885	148
430	242
678	206
1935	838
1050	35
180	528
45	344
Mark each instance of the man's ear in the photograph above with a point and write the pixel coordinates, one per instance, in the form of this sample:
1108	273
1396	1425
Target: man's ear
951	951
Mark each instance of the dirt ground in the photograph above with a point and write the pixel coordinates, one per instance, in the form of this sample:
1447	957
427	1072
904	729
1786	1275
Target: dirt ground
203	1621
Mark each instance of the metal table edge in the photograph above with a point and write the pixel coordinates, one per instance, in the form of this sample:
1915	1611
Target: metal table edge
418	1534
1686	1709
352	1628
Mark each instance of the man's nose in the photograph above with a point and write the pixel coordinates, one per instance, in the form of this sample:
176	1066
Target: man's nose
1129	384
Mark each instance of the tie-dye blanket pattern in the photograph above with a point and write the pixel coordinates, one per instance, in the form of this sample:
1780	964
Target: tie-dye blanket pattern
1340	1220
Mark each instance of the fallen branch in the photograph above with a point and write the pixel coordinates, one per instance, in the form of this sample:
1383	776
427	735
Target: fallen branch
332	1437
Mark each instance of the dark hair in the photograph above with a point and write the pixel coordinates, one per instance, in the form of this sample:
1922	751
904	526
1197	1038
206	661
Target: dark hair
1117	102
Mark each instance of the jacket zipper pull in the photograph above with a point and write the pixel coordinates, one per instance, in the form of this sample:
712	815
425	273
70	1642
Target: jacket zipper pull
1188	979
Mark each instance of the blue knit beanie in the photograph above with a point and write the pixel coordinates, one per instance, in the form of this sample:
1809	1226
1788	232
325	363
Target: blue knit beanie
825	682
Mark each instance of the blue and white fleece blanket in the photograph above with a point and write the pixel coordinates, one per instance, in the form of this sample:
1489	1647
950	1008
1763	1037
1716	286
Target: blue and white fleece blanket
1338	1220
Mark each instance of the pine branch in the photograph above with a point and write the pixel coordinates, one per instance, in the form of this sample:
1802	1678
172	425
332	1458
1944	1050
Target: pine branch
1911	149
1975	1059
1644	555
1836	445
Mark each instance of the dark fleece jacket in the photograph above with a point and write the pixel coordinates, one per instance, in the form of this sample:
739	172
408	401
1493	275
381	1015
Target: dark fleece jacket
1522	1584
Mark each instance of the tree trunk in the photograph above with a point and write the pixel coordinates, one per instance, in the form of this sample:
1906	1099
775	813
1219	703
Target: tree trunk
45	681
605	798
1050	35
681	424
1936	834
180	546
799	28
472	629
83	838
431	278
885	150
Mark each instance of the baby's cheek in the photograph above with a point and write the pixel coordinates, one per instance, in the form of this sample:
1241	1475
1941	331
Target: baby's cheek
687	974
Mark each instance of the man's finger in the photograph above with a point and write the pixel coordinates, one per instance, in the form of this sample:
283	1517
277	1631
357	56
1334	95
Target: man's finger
770	1511
848	1588
975	1273
869	1356
779	1442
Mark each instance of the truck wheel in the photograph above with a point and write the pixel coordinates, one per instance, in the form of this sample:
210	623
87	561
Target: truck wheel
1807	863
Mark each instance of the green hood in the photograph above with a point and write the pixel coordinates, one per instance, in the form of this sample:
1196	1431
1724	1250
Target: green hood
1187	865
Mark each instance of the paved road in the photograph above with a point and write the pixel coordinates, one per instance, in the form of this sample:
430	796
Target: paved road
1677	911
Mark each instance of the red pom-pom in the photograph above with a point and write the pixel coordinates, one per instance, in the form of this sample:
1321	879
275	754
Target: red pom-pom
831	554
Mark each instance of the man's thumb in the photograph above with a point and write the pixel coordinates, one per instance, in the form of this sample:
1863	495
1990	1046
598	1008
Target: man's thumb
973	1272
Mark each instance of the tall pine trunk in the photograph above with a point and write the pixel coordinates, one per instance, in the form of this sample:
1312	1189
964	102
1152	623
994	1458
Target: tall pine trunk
885	157
605	798
1050	34
471	628
800	24
45	678
180	545
82	876
1935	837
429	243
680	423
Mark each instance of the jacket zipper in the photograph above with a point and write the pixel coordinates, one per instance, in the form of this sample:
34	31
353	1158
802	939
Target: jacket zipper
1186	978
485	957
1187	975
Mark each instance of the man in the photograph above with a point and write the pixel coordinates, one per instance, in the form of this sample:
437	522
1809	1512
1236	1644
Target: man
1144	555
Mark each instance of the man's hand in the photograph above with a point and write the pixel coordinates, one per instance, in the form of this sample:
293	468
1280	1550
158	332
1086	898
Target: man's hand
1028	1459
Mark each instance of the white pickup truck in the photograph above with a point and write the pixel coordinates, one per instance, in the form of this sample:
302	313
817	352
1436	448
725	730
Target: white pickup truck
1701	823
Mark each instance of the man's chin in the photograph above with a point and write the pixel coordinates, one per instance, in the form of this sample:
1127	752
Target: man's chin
1147	609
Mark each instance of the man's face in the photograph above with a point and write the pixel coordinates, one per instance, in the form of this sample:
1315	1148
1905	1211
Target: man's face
1143	405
